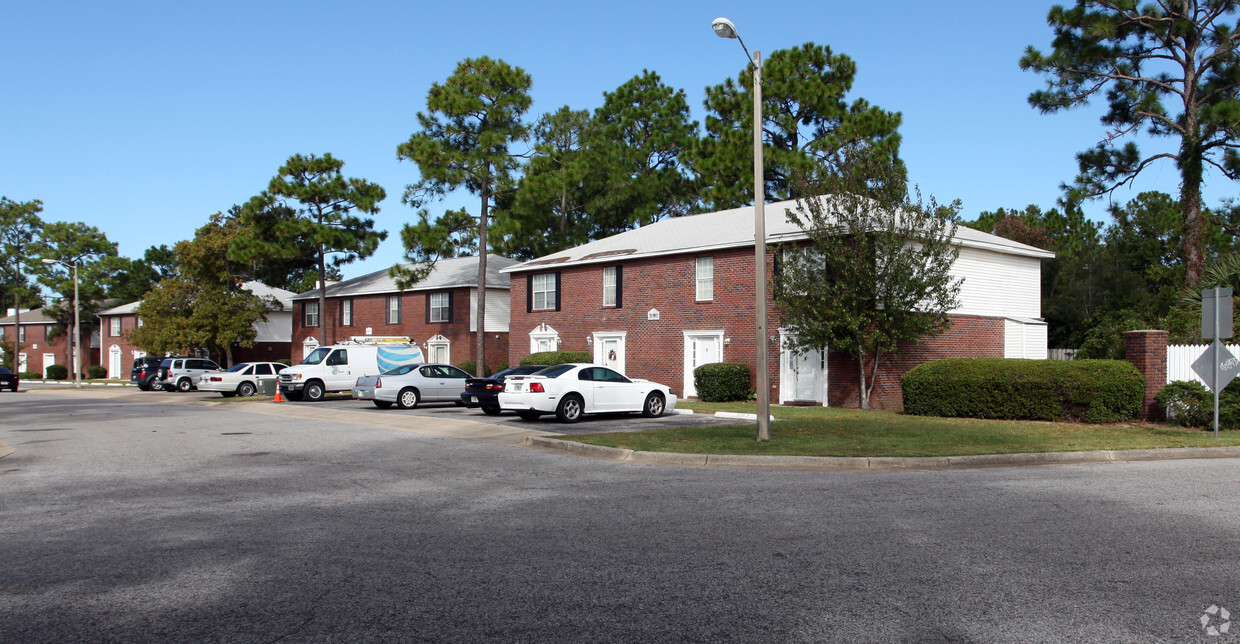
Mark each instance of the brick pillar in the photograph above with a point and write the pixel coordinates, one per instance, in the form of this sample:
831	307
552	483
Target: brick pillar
1147	351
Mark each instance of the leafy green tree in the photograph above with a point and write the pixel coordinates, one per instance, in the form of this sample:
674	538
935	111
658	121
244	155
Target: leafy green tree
1170	70
637	143
471	122
204	305
130	279
876	274
20	226
809	129
550	208
88	247
311	204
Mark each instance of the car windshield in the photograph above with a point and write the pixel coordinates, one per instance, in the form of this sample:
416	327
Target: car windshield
317	355
556	371
401	370
239	367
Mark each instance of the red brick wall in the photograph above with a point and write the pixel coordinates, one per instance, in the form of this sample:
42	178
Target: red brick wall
371	311
1147	351
260	352
37	343
655	348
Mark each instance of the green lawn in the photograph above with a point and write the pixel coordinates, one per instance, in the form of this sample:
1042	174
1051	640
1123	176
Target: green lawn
818	431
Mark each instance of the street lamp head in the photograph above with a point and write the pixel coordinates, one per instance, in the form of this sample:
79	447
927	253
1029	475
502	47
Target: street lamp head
724	28
49	261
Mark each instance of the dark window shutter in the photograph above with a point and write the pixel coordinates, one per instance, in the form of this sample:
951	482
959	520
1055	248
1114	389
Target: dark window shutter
428	308
619	287
529	293
558	291
450	312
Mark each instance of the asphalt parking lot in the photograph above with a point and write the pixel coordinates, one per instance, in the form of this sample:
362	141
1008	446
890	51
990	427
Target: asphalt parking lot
591	424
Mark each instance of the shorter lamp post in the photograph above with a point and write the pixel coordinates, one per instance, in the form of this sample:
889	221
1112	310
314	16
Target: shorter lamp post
75	339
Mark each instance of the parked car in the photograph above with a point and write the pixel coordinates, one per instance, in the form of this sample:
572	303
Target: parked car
8	379
241	379
484	392
180	374
364	386
571	390
418	384
145	371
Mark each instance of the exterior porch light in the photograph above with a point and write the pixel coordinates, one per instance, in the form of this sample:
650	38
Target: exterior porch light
725	29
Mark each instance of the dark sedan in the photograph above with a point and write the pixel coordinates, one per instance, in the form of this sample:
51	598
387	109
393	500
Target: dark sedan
484	392
8	379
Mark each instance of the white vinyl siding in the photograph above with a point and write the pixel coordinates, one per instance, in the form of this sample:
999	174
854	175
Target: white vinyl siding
499	310
1024	338
705	278
995	284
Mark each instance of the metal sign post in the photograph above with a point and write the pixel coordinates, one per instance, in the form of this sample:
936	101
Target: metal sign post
1216	366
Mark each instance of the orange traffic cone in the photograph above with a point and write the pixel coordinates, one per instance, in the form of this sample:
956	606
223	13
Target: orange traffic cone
277	398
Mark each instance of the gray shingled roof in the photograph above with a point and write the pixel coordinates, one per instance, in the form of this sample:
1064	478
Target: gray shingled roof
448	273
258	288
726	229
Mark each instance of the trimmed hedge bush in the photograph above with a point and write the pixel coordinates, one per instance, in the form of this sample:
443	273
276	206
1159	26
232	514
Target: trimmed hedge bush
1091	391
550	358
30	375
96	372
722	381
469	367
58	372
1191	404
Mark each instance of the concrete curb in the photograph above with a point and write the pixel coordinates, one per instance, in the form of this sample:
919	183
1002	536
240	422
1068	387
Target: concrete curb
858	464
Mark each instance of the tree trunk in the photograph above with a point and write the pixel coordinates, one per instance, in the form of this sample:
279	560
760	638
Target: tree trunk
863	393
327	339
480	347
1190	195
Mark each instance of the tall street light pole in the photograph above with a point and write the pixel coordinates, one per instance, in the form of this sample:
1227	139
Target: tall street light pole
75	340
725	29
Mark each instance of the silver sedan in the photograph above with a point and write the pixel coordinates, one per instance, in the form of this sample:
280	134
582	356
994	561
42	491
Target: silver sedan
421	383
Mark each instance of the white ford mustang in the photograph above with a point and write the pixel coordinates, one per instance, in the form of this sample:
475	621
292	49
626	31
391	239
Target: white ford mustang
570	390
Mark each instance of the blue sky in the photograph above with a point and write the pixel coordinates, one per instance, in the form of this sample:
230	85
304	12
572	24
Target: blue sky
143	119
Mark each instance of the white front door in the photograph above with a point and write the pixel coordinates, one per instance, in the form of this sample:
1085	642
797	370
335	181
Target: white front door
807	368
609	350
49	359
701	347
114	362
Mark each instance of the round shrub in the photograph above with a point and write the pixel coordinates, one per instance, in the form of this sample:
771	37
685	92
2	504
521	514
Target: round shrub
722	381
96	372
1191	404
1092	391
57	372
30	375
557	357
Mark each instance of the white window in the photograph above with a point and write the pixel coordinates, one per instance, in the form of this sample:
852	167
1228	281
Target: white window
312	314
139	321
609	286
114	327
544	292
393	309
346	312
440	349
705	278
440	307
21	334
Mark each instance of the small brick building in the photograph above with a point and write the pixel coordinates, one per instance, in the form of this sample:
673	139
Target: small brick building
272	340
658	301
41	345
439	313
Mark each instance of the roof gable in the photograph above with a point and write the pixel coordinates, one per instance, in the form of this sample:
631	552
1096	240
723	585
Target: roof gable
456	272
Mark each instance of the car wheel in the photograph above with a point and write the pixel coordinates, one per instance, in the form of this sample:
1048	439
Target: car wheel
313	391
246	389
408	398
529	415
569	410
653	406
382	404
184	384
491	410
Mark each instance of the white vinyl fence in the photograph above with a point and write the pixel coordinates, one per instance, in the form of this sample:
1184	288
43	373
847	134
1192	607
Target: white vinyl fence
1180	359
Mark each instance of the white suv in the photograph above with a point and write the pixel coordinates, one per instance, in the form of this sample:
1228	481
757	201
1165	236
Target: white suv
180	374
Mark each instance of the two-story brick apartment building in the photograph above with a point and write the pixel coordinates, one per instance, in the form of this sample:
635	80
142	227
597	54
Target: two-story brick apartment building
660	300
41	347
439	313
272	340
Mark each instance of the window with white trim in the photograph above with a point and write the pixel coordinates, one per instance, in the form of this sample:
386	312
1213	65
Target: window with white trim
544	292
114	327
311	317
705	278
611	286
393	309
440	307
346	312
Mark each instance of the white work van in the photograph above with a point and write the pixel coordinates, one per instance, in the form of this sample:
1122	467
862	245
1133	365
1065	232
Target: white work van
336	368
